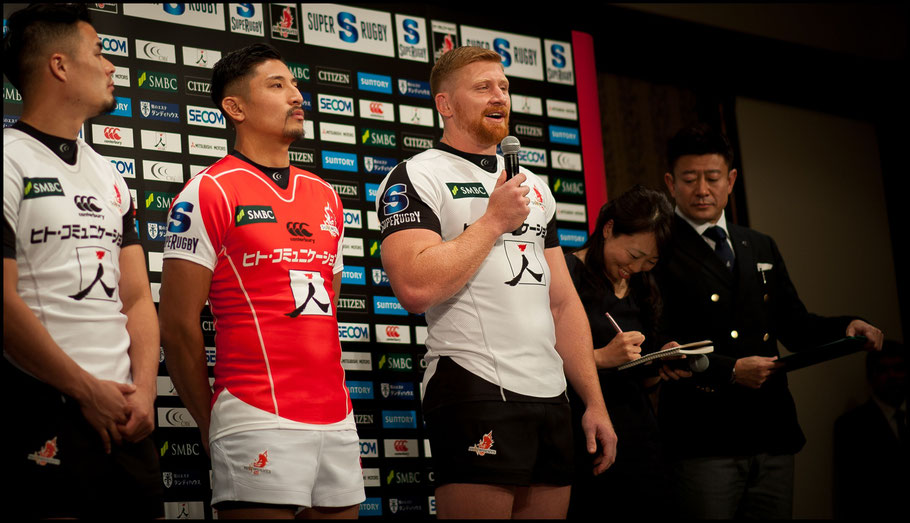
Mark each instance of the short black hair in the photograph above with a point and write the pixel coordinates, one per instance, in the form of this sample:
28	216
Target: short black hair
698	139
30	31
237	65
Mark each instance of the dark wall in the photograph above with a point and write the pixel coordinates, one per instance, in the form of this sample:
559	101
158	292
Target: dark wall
673	70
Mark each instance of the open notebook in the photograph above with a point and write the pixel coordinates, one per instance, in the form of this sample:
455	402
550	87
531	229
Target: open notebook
697	347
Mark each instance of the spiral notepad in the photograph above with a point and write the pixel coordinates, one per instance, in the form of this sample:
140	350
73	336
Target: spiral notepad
697	347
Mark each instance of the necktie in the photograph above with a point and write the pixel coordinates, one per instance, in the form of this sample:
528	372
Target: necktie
721	248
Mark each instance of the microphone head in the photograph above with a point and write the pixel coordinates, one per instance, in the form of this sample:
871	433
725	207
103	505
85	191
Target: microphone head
510	145
698	363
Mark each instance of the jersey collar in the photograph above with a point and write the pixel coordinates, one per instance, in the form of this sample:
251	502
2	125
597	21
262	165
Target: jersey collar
64	149
487	162
280	176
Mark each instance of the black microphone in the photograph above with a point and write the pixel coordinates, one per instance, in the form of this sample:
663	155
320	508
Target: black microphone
510	147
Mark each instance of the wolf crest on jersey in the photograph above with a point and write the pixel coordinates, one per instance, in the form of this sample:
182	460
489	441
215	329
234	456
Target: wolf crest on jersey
279	357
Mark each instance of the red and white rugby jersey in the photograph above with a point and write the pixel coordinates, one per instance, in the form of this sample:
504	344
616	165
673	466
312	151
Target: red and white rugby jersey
273	253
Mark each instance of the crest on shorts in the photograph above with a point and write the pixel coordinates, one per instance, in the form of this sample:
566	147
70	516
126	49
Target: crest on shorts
258	466
484	446
45	455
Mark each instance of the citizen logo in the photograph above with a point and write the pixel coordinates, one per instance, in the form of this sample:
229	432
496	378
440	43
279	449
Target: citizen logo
355	303
532	131
301	156
86	203
298	229
417	142
198	86
345	190
333	76
112	133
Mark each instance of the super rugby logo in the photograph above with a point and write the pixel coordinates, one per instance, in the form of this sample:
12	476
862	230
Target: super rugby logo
394	199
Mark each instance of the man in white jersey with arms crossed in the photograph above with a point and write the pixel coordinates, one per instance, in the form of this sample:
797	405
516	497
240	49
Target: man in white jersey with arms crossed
480	255
80	336
261	240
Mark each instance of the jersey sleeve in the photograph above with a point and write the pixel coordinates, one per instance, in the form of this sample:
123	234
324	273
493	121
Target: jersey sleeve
127	210
339	217
197	222
12	195
407	199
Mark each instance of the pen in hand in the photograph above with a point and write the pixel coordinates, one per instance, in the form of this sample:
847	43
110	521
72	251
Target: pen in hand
613	323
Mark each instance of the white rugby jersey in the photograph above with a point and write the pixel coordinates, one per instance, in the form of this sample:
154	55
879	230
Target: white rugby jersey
499	325
68	222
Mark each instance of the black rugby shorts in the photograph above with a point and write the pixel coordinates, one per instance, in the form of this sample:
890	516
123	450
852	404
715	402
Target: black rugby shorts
58	464
501	442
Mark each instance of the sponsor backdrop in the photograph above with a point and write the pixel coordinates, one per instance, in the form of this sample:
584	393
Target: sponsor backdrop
364	78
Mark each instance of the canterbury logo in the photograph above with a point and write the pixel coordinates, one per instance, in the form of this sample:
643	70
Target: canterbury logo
86	203
392	331
297	229
112	133
376	107
401	445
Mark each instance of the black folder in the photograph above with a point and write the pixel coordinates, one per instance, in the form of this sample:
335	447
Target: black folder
828	351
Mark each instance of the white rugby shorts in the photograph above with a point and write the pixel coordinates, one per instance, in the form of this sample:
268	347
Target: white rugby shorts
306	468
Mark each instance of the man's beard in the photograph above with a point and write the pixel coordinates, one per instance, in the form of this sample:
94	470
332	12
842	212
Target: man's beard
108	107
294	132
484	133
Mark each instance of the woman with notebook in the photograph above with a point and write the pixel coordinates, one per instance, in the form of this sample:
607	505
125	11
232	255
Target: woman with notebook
623	304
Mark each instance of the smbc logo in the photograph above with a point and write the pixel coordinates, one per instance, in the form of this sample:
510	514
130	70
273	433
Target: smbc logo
378	138
399	362
157	81
568	186
300	71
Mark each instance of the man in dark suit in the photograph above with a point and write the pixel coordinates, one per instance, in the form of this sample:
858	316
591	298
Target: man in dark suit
871	458
731	431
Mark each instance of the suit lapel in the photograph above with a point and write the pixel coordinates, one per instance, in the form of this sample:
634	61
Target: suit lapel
690	244
745	255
